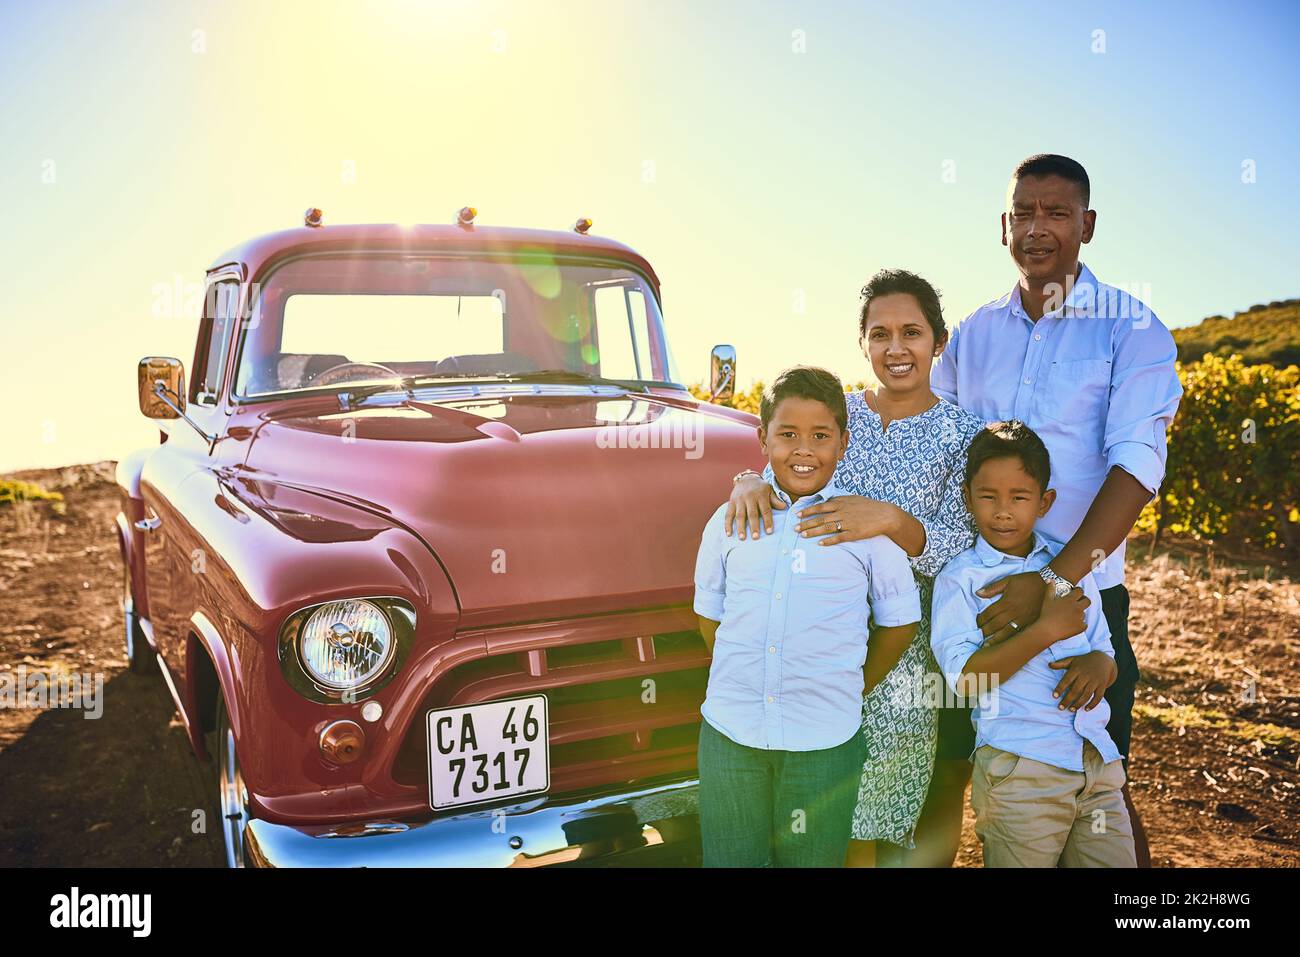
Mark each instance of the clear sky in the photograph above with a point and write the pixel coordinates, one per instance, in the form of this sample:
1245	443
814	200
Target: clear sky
765	157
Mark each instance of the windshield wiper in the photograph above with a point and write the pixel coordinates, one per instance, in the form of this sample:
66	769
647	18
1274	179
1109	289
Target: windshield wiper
568	375
407	384
350	396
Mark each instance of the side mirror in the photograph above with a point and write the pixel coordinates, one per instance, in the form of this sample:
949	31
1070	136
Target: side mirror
171	373
722	373
162	393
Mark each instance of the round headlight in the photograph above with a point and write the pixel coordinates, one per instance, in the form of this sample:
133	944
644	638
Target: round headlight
344	644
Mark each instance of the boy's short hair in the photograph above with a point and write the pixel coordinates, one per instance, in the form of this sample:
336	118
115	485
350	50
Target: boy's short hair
890	281
1010	439
1053	164
806	382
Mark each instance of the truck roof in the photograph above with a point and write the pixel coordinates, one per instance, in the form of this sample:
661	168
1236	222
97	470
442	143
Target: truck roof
261	251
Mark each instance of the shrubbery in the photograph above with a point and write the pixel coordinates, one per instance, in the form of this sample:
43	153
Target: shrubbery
1262	334
11	491
1233	451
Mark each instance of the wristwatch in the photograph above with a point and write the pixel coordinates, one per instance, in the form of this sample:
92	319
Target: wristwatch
742	473
1060	586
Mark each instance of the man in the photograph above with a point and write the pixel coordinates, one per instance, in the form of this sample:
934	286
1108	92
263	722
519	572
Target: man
1091	370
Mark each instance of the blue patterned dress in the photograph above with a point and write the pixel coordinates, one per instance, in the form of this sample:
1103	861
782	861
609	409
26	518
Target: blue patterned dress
917	463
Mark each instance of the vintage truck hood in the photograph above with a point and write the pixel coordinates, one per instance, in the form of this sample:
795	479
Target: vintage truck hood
538	506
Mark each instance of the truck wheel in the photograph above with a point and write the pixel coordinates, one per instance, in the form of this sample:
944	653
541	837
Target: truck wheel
139	656
231	795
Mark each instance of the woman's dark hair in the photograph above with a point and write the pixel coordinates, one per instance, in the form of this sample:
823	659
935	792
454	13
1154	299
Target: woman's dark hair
1053	164
805	382
887	282
1011	439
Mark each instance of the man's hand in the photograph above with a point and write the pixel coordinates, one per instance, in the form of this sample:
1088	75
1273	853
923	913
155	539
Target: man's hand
1021	602
1085	680
752	501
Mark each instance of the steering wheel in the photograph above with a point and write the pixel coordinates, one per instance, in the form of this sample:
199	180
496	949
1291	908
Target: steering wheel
348	370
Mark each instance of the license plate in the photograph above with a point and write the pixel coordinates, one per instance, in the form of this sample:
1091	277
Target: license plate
484	752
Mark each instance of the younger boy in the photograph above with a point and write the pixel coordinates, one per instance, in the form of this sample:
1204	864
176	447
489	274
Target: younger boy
787	622
1047	780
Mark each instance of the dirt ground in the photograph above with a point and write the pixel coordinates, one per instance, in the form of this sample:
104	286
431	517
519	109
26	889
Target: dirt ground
1216	753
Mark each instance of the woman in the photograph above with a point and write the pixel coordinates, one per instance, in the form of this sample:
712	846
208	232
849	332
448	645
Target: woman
903	470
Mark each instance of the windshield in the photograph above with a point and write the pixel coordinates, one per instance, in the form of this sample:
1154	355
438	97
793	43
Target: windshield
343	321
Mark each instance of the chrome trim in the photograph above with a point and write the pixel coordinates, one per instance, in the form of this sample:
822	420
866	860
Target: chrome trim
722	373
128	614
171	687
487	388
232	796
658	824
165	394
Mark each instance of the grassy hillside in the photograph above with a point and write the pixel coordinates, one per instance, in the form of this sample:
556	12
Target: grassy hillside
1263	333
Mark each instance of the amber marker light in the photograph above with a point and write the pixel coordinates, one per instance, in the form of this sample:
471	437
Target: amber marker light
582	225
466	216
342	742
313	218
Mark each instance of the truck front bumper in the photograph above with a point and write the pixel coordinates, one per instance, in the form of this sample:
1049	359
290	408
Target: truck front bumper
653	826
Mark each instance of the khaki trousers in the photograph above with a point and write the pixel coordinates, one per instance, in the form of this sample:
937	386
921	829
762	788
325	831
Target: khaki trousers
1031	814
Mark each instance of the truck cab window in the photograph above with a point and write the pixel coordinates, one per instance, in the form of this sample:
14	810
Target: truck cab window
622	347
220	304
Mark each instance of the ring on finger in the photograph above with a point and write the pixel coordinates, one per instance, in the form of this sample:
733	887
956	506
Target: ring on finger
1014	626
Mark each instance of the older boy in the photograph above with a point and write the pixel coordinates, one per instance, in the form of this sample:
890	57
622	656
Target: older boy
1091	370
780	756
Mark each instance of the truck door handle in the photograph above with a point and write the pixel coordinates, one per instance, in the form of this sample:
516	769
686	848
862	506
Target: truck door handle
148	524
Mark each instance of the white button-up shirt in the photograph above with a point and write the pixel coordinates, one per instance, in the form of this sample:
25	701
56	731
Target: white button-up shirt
1095	379
788	656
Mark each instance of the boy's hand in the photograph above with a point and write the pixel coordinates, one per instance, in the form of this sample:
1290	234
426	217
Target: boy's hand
752	501
1022	602
1085	681
1063	617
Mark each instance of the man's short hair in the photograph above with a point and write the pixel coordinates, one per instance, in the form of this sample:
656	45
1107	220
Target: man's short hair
805	382
1053	164
1010	439
890	281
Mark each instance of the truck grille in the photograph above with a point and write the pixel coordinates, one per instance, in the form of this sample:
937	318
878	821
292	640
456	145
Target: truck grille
623	692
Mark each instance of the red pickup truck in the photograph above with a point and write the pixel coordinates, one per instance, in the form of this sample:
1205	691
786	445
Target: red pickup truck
414	555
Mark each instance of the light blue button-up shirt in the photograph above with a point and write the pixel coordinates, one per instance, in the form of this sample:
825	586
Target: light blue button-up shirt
1019	715
792	638
1095	379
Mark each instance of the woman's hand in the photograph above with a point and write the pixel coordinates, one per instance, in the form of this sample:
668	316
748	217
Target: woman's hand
752	499
849	518
1021	603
